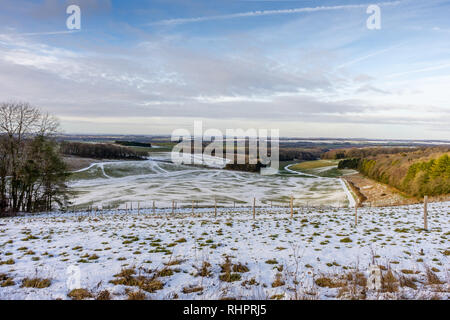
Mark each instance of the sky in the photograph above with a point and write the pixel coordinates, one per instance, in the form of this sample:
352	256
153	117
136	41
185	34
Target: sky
309	68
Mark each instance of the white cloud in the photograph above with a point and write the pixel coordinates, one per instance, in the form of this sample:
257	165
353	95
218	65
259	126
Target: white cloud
267	13
252	79
370	55
420	70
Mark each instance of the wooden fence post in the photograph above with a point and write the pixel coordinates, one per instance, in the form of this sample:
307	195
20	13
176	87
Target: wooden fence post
356	213
292	206
425	212
215	207
154	207
192	207
254	208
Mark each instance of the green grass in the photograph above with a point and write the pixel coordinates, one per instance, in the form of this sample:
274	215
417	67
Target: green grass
314	168
313	164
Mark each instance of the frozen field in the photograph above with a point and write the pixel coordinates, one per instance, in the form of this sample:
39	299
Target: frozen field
319	254
115	183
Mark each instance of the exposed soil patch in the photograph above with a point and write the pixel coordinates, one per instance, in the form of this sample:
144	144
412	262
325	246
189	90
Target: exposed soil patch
378	195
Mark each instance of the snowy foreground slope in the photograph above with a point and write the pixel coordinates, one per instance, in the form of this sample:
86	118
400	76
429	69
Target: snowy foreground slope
319	254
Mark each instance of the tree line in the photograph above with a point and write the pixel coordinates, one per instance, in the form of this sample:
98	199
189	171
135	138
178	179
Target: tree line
337	154
429	177
423	172
133	143
289	154
32	172
101	151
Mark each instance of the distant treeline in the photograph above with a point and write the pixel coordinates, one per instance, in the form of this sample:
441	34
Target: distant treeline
100	151
349	163
285	153
365	152
289	154
422	172
244	167
133	144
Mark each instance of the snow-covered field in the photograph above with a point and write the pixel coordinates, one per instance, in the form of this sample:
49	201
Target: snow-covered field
116	183
319	254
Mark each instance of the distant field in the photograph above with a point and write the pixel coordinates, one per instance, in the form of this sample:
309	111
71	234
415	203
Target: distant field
160	147
313	164
321	168
114	183
76	163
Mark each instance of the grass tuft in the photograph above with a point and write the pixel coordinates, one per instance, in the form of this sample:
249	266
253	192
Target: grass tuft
37	283
79	294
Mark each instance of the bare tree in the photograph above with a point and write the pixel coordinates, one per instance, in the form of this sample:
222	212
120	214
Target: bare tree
24	129
20	119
